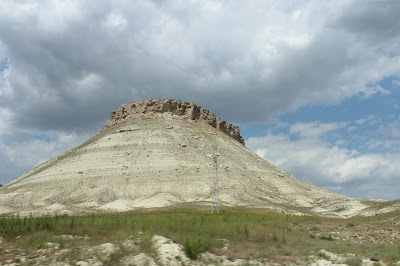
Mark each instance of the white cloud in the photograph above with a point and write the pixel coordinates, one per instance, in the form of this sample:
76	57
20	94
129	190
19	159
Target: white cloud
261	58
24	155
208	51
371	90
315	128
85	86
392	130
28	153
369	167
41	17
309	158
384	144
6	89
332	165
370	119
341	142
6	118
116	21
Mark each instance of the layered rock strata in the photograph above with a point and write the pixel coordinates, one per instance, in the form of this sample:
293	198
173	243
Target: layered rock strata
153	154
184	110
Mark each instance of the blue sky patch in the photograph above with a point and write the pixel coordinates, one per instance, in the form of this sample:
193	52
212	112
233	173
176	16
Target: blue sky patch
3	64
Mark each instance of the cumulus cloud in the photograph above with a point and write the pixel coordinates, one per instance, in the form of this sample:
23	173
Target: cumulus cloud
6	116
20	156
70	63
392	130
332	165
5	86
384	144
259	54
315	128
370	119
115	21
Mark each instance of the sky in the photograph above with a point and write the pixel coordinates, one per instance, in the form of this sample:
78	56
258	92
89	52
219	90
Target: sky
313	85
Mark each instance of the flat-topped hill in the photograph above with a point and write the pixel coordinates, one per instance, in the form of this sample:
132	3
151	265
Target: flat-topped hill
158	153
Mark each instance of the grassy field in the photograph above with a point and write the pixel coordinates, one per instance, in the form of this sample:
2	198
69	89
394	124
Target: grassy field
250	233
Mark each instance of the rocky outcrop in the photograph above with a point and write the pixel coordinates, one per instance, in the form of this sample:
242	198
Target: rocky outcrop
185	110
164	251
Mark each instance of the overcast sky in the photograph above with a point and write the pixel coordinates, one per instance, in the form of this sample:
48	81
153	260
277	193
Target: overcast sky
314	85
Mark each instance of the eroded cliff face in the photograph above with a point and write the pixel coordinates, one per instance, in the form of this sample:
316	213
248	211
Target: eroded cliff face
184	110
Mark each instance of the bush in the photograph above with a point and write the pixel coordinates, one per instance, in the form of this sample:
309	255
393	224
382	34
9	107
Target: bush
193	248
329	238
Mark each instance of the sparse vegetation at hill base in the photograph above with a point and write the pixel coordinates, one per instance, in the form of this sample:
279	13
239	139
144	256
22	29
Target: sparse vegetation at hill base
253	236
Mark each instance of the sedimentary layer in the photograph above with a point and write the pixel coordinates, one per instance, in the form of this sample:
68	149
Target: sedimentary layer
146	158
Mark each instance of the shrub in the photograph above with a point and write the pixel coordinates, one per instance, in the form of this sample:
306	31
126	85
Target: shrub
329	238
193	248
246	232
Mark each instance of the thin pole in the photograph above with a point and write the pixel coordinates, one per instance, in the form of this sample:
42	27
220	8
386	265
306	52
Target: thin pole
214	182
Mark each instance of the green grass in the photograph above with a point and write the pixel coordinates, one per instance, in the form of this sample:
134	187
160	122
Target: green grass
251	233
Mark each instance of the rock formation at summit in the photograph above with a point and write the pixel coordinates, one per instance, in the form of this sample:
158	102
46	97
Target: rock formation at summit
184	110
